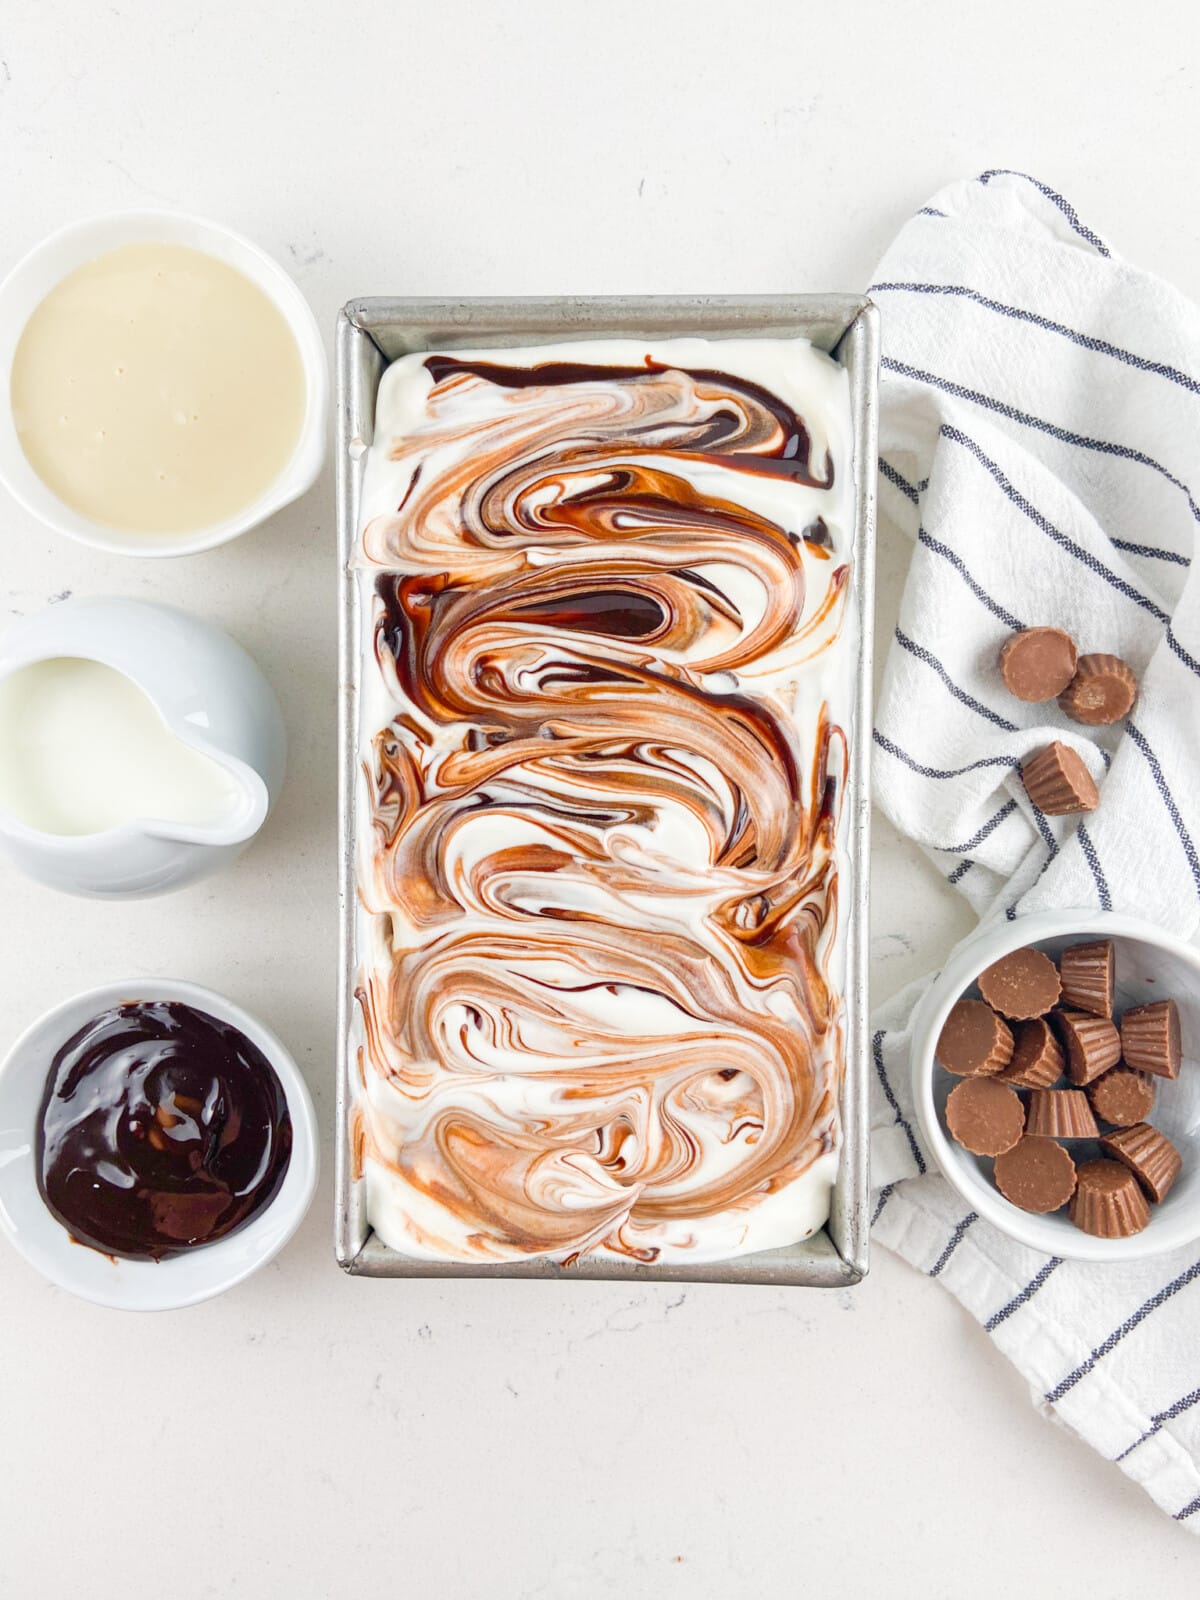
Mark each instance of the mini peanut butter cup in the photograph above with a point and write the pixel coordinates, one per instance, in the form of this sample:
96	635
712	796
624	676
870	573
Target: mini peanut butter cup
1151	1040
1060	1114
1036	1174
1108	1202
1037	1058
974	1041
1103	690
1021	985
1122	1097
1149	1155
1088	973
1038	663
1058	782
984	1116
1092	1044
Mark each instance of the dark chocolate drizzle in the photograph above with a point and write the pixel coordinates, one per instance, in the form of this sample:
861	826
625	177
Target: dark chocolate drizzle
792	458
161	1128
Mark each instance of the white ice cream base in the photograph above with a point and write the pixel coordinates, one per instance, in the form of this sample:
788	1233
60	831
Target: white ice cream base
818	390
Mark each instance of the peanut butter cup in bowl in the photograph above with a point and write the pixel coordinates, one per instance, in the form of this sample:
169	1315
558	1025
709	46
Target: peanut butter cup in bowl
1091	1021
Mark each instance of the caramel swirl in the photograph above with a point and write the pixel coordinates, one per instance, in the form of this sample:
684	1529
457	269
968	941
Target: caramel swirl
602	774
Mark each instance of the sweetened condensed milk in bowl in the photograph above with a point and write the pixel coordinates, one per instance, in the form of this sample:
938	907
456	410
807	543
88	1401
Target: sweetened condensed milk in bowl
164	386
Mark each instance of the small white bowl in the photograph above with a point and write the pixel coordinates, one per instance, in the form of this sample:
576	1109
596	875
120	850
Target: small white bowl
1151	964
182	1280
48	263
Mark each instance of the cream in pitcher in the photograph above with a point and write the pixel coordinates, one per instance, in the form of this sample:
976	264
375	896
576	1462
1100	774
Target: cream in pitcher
82	749
140	747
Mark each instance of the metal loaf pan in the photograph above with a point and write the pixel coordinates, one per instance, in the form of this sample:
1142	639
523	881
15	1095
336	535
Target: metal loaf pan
371	333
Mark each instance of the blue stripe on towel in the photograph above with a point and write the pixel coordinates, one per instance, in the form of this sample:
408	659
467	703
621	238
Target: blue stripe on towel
885	1194
1168	799
1048	839
1092	562
1024	1297
931	661
1097	566
955	1240
1006	617
907	489
1051	843
1093	861
1184	655
1123	452
893	749
989	827
890	1096
1157	1420
1151	552
1100	347
1063	204
1052	1396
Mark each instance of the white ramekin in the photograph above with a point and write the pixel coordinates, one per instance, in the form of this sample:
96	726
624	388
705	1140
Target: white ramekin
48	263
182	1280
1151	964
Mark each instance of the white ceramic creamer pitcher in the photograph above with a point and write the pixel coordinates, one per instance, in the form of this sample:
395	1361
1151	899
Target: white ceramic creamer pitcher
211	697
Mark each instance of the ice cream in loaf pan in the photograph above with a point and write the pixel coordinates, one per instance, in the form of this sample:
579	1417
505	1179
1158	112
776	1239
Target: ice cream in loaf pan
604	723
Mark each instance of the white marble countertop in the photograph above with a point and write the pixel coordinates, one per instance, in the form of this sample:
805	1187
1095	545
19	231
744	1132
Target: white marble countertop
312	1436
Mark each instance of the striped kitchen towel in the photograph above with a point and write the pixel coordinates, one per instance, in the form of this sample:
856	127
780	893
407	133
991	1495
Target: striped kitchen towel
1039	433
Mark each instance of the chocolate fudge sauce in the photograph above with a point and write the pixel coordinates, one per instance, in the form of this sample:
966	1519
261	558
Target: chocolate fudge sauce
791	459
161	1128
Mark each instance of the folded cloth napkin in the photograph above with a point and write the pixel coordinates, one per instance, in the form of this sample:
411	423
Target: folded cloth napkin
1039	429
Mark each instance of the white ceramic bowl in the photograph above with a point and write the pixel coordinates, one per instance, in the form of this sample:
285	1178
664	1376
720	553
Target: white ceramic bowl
49	262
1151	964
182	1280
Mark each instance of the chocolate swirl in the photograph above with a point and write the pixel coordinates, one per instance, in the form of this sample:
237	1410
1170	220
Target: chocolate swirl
600	888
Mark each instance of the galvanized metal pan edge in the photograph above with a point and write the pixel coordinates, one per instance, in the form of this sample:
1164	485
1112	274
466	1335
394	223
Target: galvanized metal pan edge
849	1224
372	332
